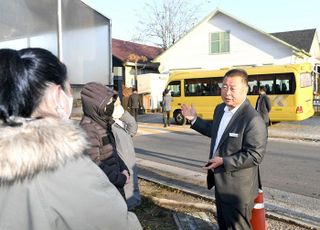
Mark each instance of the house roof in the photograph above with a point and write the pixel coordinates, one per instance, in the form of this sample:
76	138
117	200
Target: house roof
301	39
122	49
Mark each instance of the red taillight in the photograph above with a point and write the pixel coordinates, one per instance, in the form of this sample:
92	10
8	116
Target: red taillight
299	109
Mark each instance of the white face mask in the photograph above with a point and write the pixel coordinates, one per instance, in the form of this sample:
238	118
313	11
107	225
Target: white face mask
118	109
65	112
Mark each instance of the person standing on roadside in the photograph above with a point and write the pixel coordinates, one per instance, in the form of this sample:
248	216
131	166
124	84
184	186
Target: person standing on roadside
263	105
134	103
123	129
166	107
98	106
238	144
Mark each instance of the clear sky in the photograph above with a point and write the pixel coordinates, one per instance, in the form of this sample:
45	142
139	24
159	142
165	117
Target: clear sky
266	15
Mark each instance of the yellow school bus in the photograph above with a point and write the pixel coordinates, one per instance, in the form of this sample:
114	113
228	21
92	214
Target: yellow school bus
289	87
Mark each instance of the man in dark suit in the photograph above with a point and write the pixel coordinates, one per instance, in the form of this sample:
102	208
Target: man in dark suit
238	143
134	103
263	105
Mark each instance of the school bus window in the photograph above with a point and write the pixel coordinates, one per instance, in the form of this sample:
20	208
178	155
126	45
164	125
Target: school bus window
203	86
216	86
254	83
191	87
274	83
267	80
282	86
207	87
285	83
204	89
175	88
253	86
268	84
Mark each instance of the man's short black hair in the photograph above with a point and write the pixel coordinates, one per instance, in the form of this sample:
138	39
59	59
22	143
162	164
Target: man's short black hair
238	73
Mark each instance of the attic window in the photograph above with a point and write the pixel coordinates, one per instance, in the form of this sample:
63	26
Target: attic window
219	42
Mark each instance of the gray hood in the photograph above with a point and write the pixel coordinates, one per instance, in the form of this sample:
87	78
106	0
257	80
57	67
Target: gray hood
94	97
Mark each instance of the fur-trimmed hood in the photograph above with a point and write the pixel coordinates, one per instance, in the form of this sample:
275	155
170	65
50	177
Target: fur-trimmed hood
38	145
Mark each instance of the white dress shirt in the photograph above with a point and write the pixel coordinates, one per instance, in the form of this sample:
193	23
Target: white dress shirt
227	115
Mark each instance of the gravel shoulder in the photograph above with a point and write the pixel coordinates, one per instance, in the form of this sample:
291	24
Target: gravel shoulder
160	203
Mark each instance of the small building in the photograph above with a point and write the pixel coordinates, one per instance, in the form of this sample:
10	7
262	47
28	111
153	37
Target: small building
130	61
151	86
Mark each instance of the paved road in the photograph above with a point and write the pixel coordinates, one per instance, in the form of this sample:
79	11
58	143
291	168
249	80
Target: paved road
290	166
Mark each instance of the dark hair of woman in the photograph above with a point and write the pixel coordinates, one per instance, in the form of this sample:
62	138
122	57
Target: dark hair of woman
24	76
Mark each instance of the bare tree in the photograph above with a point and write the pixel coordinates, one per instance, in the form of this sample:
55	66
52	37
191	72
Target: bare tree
166	21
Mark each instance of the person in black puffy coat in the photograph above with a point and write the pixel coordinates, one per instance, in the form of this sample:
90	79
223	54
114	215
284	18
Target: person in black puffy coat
98	105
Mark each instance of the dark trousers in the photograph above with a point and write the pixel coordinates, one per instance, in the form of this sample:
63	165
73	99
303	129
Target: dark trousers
166	118
134	113
233	217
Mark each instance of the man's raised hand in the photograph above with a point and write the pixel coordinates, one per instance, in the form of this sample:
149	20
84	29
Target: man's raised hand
188	112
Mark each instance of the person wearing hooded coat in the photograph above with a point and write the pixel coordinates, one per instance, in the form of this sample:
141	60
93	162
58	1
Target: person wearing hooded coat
98	106
124	128
46	179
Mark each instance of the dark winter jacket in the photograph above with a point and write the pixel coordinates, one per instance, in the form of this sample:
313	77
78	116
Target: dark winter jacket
263	106
134	101
95	97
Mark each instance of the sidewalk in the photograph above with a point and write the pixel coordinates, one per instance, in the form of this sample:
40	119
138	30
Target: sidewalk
303	130
287	207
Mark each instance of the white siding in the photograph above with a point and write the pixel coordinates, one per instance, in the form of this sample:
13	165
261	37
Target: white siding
129	77
315	49
247	46
153	85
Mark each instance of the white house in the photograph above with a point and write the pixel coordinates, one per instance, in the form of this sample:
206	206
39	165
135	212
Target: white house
221	40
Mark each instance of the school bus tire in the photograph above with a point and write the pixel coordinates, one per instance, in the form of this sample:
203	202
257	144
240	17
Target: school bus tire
179	118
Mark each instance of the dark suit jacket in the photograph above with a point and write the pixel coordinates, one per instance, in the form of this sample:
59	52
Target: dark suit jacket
242	147
264	104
